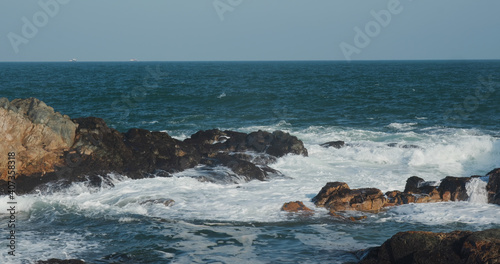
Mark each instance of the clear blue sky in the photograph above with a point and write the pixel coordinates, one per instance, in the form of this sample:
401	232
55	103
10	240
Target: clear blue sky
178	30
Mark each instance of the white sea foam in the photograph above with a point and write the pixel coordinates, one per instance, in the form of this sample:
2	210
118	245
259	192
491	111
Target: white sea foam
367	161
445	213
476	190
402	126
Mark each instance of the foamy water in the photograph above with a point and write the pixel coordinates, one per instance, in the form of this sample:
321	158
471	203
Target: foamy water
249	213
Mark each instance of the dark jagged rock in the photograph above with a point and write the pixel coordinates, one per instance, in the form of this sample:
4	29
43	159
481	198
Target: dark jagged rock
337	196
493	186
61	261
426	247
86	149
412	184
334	144
453	188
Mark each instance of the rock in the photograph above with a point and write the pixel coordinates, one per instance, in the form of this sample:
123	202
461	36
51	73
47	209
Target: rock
52	148
295	207
346	218
453	188
427	247
482	247
493	186
277	144
337	196
38	135
330	189
334	144
166	202
60	261
412	184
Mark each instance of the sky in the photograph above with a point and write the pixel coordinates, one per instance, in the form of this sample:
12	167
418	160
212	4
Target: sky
232	30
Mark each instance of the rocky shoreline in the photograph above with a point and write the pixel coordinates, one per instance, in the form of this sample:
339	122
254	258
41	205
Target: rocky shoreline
53	150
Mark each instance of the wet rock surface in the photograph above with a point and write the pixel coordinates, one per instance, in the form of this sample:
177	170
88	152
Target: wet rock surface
427	247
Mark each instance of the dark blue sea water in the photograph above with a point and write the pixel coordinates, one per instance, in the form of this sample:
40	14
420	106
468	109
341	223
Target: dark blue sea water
449	109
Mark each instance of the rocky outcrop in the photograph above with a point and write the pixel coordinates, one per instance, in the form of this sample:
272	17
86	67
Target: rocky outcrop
337	196
427	247
493	186
52	148
36	133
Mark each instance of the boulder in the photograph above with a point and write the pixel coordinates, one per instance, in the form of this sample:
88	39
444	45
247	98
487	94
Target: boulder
493	186
453	188
337	196
295	207
427	247
38	136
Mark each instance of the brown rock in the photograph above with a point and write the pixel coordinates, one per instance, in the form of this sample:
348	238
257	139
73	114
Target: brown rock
36	133
330	189
337	196
427	247
295	207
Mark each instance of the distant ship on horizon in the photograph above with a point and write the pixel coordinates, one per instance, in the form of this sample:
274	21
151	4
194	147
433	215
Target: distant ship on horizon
133	59
72	60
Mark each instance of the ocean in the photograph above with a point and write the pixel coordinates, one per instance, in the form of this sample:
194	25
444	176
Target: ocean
449	109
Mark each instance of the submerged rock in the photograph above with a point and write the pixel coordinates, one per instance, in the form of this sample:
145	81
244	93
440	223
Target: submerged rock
61	261
334	144
295	207
427	247
164	201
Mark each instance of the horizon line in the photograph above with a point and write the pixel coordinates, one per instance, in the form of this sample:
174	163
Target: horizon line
326	60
